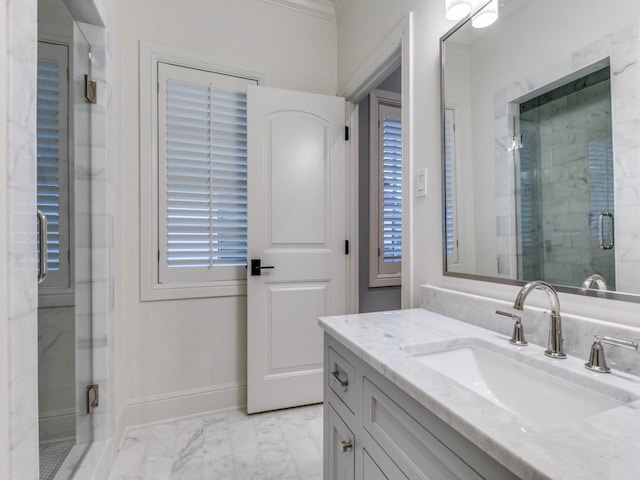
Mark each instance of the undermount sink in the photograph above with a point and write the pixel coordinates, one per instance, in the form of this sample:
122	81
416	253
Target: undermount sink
534	395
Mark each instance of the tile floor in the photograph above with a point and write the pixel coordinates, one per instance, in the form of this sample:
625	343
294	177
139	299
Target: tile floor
281	445
54	448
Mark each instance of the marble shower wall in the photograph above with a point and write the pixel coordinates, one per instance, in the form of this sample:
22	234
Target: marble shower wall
19	187
571	141
621	48
18	332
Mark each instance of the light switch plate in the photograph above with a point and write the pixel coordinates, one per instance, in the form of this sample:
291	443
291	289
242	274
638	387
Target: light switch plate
421	183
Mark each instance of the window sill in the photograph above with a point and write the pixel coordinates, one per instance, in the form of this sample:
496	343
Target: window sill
389	280
183	291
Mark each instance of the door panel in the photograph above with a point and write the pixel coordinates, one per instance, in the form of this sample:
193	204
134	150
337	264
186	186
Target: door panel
293	308
299	188
296	224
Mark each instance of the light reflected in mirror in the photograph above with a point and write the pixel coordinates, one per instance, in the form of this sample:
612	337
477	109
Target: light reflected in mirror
541	144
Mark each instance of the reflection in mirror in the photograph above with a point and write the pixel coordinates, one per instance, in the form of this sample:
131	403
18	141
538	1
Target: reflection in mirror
541	146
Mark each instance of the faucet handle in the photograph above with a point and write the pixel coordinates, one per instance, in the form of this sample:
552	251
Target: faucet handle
597	361
517	337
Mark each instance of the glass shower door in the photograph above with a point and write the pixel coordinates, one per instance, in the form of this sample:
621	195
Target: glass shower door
64	300
564	177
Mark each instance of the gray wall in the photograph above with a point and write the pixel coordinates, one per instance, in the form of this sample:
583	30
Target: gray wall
379	298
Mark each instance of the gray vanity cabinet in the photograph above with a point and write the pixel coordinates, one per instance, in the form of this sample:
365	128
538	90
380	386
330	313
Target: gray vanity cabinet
340	458
388	434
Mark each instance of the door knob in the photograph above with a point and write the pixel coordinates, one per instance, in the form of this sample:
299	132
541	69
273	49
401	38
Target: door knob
256	268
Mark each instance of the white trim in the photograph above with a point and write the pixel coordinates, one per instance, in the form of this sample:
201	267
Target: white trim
160	408
353	215
150	55
408	296
378	278
318	8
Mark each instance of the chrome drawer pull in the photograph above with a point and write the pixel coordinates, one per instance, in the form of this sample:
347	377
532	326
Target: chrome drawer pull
346	445
336	375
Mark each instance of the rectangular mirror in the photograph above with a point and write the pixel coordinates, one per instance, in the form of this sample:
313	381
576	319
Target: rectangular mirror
541	145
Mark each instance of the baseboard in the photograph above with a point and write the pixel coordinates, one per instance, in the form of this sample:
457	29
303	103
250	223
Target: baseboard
63	420
159	408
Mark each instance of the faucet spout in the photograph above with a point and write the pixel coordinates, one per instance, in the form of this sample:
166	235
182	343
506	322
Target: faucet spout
597	280
555	345
538	284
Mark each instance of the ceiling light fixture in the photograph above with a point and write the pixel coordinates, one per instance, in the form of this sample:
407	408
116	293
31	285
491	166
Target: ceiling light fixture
486	16
457	9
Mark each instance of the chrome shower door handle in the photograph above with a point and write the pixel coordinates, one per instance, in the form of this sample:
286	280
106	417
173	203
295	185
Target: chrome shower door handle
605	246
42	240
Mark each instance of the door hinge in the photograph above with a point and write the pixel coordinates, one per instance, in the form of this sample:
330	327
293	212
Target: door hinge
93	397
346	247
378	252
90	90
346	133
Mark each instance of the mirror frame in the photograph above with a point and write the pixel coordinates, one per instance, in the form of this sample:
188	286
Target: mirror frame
585	292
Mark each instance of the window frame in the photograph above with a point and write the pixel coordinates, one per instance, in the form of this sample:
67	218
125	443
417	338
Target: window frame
379	277
151	54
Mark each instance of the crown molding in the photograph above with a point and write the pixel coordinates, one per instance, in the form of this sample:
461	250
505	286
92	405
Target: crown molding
324	9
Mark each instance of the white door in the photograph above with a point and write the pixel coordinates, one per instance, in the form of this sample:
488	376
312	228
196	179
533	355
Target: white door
296	229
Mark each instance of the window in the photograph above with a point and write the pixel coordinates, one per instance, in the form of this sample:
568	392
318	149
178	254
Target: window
601	201
202	175
450	213
53	162
386	189
183	252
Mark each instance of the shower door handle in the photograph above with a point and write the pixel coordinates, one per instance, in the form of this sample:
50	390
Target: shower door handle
42	261
605	246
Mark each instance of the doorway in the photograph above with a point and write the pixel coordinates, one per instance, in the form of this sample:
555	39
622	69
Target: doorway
380	195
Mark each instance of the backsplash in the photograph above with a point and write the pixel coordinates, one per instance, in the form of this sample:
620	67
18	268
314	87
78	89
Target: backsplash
577	331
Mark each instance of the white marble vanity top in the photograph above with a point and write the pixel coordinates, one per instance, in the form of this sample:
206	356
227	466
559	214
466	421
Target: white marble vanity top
600	447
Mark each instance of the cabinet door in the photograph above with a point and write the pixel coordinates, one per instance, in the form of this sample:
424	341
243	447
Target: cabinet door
382	468
340	461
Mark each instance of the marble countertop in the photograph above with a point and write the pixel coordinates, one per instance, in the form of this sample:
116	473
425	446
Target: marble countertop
603	446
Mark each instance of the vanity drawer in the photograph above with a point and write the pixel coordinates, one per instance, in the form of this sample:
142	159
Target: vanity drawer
413	448
341	376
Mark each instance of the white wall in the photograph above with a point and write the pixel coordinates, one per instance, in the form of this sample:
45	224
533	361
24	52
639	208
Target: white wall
179	357
362	25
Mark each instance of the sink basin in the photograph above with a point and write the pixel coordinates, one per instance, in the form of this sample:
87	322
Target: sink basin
532	394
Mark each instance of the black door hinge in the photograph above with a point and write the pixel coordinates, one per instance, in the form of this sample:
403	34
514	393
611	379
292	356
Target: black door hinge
346	133
346	247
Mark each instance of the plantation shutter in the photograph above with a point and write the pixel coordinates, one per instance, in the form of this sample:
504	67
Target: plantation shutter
53	159
202	175
451	230
390	150
600	155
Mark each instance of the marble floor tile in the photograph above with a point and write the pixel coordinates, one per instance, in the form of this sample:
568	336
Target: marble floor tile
281	445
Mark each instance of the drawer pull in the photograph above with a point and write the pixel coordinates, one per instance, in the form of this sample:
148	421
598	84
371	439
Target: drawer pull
346	445
336	375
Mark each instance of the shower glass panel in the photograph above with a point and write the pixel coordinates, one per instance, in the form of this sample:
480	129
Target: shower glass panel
564	183
64	196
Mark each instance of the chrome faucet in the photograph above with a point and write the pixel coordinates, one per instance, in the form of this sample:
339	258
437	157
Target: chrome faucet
554	347
595	279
